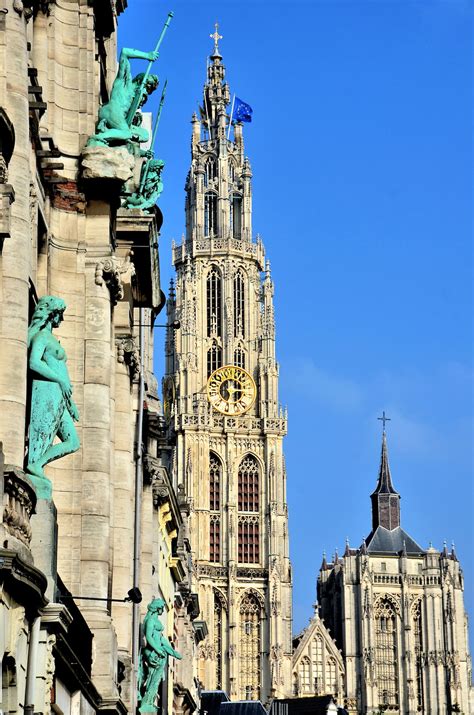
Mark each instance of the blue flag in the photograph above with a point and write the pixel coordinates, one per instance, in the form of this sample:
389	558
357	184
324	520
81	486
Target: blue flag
242	111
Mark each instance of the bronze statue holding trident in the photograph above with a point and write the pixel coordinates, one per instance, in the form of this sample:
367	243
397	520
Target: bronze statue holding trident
153	657
116	118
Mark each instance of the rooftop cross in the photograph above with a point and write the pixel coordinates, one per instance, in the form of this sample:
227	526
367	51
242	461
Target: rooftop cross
384	419
216	37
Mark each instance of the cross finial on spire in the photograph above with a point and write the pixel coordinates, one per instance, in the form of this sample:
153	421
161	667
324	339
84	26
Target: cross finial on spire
384	419
216	37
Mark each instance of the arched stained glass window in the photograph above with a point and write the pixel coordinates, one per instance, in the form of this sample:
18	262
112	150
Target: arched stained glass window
386	663
249	656
210	214
214	303
248	484
239	305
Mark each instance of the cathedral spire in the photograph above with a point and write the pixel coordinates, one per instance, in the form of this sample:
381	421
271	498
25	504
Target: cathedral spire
385	500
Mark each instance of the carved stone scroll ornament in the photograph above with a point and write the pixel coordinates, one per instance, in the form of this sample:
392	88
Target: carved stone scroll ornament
128	353
113	272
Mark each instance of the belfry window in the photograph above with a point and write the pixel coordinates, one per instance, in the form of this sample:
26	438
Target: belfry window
210	214
235	215
215	471
214	358
248	484
210	171
214	303
239	357
239	305
386	664
249	656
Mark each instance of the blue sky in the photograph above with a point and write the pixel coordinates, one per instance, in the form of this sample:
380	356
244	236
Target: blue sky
361	153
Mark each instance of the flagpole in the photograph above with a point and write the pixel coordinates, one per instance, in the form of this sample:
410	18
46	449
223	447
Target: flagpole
230	120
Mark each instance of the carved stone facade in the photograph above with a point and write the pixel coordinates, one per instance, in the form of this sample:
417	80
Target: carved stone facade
230	467
397	613
109	526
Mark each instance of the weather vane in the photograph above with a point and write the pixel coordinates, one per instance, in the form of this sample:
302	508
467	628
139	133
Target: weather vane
216	37
384	419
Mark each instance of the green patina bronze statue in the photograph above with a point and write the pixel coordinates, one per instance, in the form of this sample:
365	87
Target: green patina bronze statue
153	657
150	187
116	125
52	408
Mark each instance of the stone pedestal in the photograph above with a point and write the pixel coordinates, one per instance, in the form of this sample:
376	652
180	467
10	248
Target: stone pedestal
104	162
44	542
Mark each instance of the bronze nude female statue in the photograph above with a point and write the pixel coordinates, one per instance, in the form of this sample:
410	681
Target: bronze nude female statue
53	410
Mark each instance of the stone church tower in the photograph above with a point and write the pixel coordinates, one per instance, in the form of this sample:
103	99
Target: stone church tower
396	611
228	431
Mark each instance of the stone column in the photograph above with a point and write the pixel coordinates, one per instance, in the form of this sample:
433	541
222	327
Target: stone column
16	255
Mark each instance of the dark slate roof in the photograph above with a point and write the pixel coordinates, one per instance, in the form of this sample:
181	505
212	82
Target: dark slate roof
384	483
243	707
211	701
315	705
391	542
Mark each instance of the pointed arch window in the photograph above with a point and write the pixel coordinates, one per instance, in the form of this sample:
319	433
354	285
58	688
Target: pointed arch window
418	639
214	538
235	215
214	358
239	305
248	484
239	357
249	540
219	613
386	662
305	675
250	647
215	473
210	171
332	686
231	171
318	664
210	214
214	303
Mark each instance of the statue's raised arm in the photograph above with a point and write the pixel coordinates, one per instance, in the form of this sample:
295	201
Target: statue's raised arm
115	126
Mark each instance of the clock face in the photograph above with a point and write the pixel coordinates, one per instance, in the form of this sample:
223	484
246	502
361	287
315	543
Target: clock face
231	390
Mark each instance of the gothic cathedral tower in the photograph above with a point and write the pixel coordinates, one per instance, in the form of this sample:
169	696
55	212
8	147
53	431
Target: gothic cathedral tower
228	430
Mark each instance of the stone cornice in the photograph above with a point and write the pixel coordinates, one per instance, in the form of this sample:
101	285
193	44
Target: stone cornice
26	583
